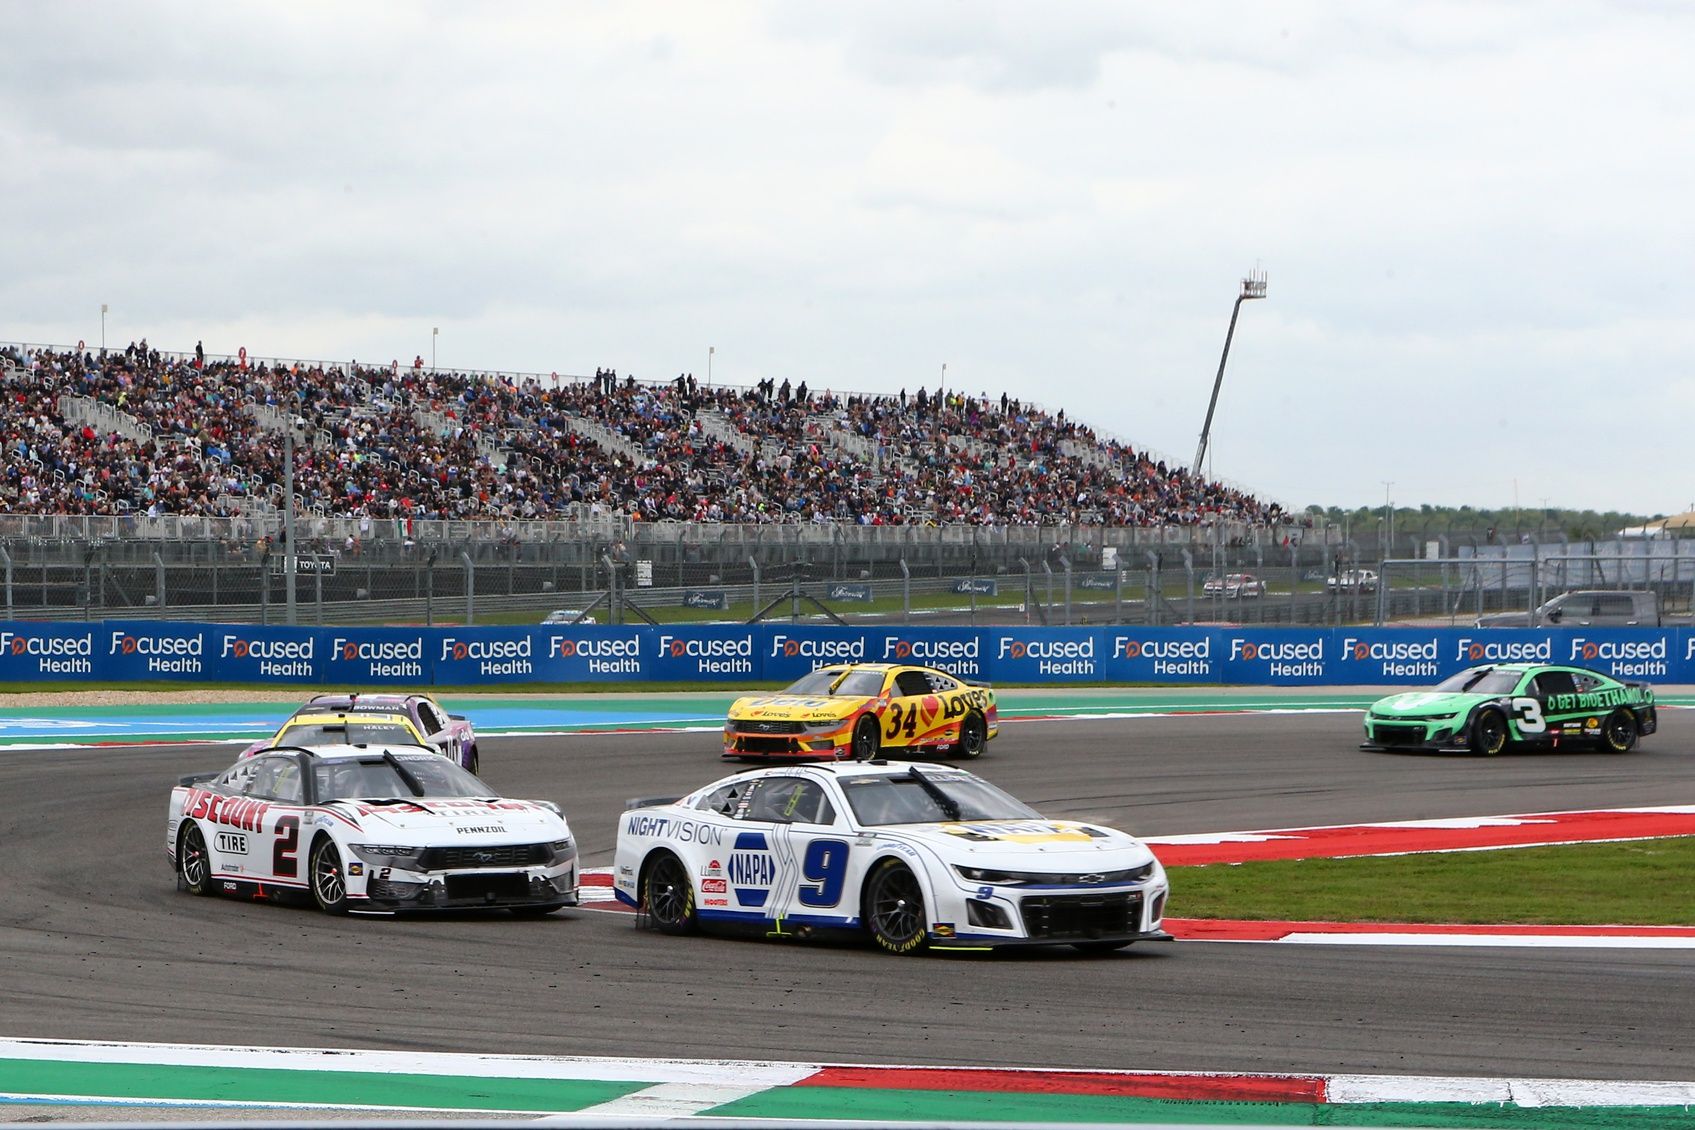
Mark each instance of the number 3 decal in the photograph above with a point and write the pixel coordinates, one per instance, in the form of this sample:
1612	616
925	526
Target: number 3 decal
1528	714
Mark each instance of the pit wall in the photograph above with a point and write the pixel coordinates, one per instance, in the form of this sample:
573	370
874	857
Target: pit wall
119	651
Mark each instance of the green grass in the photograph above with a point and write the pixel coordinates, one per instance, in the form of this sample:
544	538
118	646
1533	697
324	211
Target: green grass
1643	883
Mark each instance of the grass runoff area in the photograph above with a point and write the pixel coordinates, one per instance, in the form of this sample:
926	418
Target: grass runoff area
1641	883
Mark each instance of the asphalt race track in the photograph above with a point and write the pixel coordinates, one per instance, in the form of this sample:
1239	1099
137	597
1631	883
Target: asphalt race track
97	944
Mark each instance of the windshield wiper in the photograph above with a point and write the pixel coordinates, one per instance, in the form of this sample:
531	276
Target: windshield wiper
412	782
949	806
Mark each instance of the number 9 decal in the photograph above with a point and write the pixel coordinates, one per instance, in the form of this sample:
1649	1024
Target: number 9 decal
1527	712
823	872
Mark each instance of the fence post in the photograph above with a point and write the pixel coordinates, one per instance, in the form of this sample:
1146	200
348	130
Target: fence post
1065	563
470	587
1189	573
1153	598
7	559
159	581
1047	602
430	588
905	591
753	562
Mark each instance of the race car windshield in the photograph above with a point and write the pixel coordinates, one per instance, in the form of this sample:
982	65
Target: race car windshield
346	733
1480	680
855	684
377	778
931	799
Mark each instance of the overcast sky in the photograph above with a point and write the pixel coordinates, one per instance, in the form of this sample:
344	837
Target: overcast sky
1476	218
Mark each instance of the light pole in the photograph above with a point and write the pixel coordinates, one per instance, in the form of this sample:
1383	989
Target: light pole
710	350
1252	287
288	516
435	332
1388	517
103	309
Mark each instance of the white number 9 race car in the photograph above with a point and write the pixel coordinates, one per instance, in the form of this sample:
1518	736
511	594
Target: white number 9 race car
368	829
912	856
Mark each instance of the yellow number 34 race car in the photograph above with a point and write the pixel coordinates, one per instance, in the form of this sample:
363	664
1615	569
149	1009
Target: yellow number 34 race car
858	710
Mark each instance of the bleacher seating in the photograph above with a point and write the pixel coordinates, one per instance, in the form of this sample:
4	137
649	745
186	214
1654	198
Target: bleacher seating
138	431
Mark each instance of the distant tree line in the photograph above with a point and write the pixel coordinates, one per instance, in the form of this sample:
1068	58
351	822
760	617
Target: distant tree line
1472	524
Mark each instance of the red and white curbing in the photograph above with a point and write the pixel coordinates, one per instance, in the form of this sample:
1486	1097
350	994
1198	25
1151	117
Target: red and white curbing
1399	837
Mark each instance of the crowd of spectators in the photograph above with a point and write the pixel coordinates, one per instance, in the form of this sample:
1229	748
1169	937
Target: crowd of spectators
387	441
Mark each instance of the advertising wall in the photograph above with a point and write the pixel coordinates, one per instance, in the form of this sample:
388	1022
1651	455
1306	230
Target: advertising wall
116	651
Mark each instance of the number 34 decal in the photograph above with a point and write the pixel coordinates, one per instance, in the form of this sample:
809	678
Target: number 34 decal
1527	712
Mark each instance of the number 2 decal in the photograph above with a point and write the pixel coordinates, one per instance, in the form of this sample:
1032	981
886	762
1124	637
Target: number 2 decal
823	873
1527	713
284	862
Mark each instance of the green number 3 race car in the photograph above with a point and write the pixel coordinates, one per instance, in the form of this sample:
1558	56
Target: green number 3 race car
1486	709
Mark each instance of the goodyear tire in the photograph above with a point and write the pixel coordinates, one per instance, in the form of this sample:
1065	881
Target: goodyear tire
1618	732
894	908
328	877
867	739
194	862
668	896
973	736
1488	732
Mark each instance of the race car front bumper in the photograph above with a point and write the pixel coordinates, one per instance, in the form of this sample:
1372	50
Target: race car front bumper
470	890
1445	735
796	741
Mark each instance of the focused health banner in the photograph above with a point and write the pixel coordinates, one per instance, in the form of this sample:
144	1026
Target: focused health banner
126	651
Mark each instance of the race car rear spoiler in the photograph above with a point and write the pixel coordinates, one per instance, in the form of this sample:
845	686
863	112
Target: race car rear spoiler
195	778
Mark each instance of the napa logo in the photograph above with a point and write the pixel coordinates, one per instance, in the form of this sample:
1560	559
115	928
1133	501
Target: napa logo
751	868
1514	650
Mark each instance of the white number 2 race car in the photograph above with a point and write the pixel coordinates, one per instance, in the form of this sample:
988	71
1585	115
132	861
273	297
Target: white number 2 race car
368	829
913	856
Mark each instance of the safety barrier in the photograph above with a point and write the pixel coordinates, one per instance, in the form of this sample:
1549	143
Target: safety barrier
118	651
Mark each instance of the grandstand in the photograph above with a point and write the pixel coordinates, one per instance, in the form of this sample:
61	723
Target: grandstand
138	432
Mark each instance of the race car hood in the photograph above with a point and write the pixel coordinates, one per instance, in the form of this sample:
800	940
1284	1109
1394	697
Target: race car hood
1426	704
466	820
1046	845
796	708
